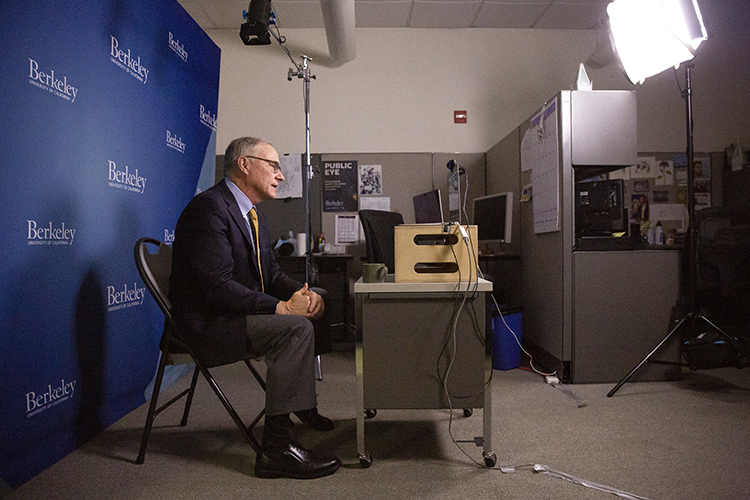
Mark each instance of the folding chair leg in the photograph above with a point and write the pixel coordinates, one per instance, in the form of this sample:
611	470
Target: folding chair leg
153	411
262	383
256	374
189	401
247	432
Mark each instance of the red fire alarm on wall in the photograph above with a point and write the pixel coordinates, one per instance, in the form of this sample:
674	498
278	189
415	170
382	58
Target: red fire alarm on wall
459	116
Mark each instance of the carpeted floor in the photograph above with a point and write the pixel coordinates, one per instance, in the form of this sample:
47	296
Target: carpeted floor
686	439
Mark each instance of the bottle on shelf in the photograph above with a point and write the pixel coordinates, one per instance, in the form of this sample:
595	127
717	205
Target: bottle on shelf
658	234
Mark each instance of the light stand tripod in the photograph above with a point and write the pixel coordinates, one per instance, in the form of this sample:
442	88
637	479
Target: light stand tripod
690	322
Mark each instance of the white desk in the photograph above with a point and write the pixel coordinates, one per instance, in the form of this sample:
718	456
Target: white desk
403	331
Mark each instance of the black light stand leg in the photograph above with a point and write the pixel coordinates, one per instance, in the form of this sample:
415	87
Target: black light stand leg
743	354
689	321
646	359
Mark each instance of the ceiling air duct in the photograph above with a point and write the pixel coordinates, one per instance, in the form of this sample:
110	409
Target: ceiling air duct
338	17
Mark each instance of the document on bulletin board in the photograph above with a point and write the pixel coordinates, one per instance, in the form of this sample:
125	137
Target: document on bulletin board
291	167
347	229
375	203
539	153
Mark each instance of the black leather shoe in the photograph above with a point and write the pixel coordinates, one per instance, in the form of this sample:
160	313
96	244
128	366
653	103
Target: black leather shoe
315	420
294	461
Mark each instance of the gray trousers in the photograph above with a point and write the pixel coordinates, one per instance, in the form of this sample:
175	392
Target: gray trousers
288	344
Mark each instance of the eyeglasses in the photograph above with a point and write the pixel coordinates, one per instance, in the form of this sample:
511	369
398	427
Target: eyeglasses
276	165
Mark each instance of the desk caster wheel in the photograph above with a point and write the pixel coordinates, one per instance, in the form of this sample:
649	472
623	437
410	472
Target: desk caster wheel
490	459
370	413
365	461
468	412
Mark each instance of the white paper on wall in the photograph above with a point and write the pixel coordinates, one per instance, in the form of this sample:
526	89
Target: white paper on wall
291	186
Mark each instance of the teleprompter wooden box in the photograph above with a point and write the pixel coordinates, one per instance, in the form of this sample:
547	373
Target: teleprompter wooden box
429	253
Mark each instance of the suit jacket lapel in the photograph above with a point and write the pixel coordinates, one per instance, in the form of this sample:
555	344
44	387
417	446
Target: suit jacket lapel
234	211
239	219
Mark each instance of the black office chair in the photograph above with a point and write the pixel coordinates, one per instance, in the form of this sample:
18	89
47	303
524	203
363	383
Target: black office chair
379	235
723	251
155	269
722	289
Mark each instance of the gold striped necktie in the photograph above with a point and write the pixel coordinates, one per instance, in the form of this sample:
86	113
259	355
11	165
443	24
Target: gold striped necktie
254	223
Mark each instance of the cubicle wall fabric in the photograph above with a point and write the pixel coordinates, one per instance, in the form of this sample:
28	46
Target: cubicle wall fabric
108	128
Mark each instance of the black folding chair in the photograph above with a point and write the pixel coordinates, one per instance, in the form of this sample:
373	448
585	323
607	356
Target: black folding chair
155	269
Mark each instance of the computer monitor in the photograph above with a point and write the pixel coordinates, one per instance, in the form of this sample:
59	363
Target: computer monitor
493	216
428	208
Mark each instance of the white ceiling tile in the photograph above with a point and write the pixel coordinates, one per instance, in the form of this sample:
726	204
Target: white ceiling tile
299	14
521	2
458	2
382	14
719	15
225	13
585	2
572	16
196	12
508	15
443	14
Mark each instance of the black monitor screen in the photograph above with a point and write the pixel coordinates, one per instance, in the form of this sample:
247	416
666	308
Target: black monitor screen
600	208
493	217
428	208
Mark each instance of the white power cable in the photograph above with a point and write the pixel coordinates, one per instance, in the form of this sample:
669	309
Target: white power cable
543	469
585	482
555	382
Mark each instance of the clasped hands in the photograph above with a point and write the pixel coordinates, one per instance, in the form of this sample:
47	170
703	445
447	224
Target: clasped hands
304	302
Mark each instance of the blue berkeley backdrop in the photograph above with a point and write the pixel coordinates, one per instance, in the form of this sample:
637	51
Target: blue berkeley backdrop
108	128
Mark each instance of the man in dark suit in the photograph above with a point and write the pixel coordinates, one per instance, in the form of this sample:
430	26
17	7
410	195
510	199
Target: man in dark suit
230	299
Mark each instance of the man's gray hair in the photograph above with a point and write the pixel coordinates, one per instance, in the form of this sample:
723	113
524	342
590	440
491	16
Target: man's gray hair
243	146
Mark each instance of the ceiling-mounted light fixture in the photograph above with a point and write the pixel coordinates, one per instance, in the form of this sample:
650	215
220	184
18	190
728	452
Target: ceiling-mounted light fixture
254	31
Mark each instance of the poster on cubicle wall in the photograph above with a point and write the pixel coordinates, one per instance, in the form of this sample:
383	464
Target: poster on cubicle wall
108	130
340	186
